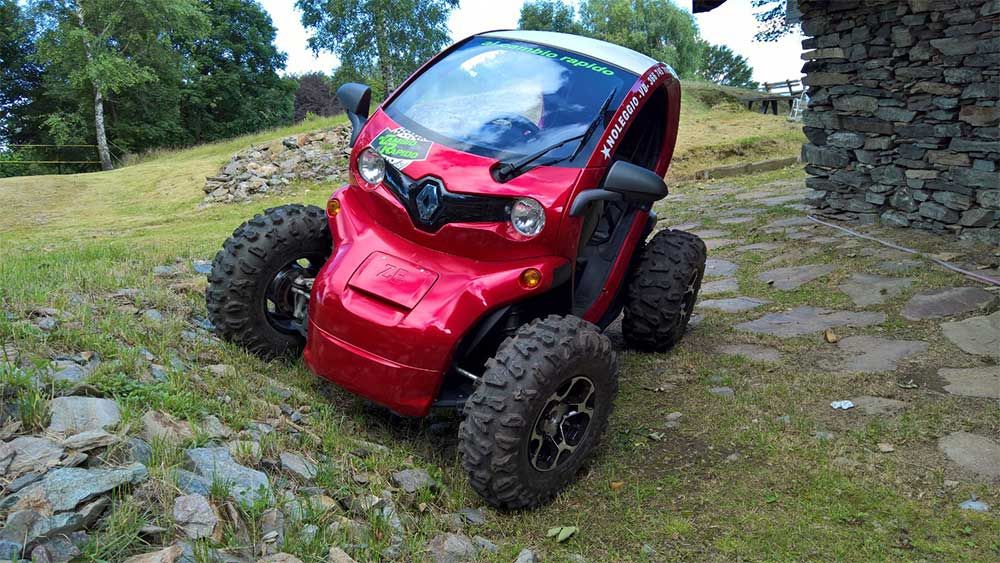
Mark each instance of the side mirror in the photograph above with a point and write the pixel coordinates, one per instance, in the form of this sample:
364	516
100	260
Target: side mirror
635	183
356	99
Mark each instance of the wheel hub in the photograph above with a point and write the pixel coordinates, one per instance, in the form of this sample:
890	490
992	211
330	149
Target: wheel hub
287	295
562	424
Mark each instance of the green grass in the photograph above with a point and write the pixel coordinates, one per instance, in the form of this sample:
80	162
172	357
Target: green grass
71	242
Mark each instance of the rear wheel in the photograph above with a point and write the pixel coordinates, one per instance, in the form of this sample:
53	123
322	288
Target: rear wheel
539	412
255	278
662	290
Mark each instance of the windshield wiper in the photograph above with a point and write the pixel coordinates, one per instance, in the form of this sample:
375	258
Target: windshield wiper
509	170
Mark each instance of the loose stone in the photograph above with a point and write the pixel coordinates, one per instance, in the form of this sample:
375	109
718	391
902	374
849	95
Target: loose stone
794	276
867	289
947	302
972	382
807	320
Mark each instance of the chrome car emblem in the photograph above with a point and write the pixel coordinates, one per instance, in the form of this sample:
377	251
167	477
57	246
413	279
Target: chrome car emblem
428	201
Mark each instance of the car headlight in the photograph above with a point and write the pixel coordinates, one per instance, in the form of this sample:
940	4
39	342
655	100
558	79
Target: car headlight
371	165
527	217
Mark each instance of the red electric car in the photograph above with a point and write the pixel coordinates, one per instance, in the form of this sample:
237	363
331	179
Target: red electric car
495	222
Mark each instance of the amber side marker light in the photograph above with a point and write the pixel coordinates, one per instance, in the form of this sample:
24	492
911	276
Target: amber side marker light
333	207
530	278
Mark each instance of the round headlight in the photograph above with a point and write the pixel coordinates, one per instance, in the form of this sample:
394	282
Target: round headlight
527	217
371	165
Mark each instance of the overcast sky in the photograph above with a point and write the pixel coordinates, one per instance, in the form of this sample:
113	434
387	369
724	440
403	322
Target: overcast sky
732	25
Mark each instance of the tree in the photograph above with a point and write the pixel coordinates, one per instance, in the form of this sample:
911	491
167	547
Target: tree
232	86
316	96
387	39
657	28
20	77
103	47
771	16
549	15
722	66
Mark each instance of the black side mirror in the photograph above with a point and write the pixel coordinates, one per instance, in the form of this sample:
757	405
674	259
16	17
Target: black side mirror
635	183
356	99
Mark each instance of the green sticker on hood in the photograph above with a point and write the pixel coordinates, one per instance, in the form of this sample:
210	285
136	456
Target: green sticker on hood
401	147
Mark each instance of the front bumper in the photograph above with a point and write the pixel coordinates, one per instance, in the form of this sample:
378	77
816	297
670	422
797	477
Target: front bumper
392	348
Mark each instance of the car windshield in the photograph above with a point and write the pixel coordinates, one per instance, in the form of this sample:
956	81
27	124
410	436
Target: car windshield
501	98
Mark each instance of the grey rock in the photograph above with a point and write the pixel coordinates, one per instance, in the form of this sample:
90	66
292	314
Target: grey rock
23	481
152	315
752	352
739	220
973	453
807	320
192	483
298	466
140	450
195	516
337	555
165	271
789	222
794	276
823	435
26	453
972	382
732	305
761	247
724	392
715	267
64	488
947	302
72	415
90	439
412	480
485	545
25	527
170	554
869	354
877	406
899	266
711	233
203	267
716	287
213	428
867	289
451	548
526	556
974	505
60	549
474	516
245	484
160	426
272	529
72	369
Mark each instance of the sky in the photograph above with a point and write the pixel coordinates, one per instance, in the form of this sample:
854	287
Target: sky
732	25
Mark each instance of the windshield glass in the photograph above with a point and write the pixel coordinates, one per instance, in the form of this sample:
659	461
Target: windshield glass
501	98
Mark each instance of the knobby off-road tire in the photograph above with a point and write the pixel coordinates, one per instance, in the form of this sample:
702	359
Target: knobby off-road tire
662	290
544	359
264	254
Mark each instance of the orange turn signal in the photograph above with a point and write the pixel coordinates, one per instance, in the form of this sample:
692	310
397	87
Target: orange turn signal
333	207
530	278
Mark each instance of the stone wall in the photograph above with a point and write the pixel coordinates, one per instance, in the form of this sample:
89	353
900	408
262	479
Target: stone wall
902	122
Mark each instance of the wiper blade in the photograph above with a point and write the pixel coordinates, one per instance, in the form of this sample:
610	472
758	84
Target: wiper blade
593	124
508	170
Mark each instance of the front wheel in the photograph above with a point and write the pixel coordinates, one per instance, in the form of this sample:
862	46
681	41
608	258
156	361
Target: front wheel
539	412
256	277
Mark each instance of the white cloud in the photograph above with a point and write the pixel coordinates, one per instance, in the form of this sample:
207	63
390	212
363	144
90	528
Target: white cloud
292	37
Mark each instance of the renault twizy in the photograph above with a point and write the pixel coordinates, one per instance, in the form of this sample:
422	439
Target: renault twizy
494	223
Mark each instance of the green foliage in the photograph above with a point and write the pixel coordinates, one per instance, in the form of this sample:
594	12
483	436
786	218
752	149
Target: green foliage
234	87
381	39
770	14
722	66
170	72
549	15
658	28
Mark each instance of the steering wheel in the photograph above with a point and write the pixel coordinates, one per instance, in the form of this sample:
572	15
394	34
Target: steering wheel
512	127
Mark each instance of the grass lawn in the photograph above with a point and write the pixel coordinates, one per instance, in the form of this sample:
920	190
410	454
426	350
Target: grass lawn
733	481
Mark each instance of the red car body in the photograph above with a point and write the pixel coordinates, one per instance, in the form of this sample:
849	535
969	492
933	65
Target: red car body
391	305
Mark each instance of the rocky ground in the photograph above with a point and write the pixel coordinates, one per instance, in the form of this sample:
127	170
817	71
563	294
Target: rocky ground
270	167
835	399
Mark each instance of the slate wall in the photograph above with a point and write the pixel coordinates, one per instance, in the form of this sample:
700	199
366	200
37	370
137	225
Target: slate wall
903	118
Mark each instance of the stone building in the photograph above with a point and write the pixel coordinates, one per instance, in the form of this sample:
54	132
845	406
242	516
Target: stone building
902	124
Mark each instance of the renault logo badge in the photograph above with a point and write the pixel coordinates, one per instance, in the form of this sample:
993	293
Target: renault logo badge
428	201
